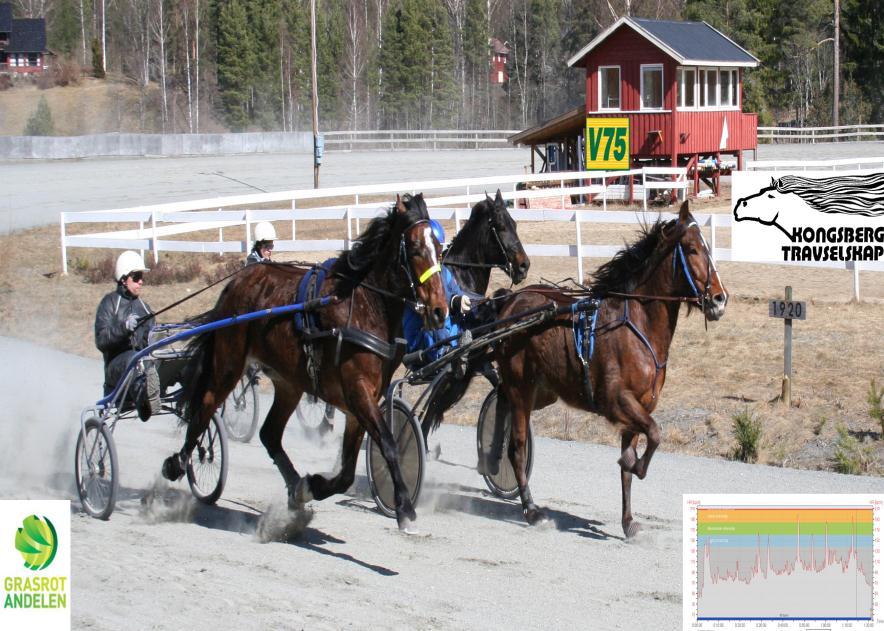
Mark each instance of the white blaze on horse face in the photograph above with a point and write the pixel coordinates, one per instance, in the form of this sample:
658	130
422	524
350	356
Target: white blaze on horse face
711	258
428	241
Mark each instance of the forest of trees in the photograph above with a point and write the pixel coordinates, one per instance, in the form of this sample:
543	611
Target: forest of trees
423	64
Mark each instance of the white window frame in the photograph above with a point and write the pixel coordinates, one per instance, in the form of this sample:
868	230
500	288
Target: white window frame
681	73
602	106
641	94
711	89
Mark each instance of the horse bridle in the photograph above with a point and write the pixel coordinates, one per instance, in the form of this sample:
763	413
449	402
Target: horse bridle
506	266
678	255
431	271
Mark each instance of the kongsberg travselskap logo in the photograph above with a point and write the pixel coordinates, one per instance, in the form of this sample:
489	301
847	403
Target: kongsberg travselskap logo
836	218
37	542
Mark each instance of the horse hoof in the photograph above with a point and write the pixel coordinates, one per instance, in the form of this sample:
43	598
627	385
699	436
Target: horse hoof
173	468
407	527
628	459
536	517
301	495
632	529
436	452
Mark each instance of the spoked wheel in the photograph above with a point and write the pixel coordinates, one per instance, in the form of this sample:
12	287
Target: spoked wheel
207	467
240	410
411	450
95	467
315	414
501	482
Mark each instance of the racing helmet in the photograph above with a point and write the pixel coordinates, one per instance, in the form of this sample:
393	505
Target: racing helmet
264	231
128	262
438	231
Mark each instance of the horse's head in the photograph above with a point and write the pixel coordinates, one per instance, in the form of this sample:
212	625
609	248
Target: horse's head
760	207
511	254
693	266
418	255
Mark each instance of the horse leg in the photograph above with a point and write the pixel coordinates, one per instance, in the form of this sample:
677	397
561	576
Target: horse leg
285	400
225	370
637	420
520	408
365	408
321	487
628	440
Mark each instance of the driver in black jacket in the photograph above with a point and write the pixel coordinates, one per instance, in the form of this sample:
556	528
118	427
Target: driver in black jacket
122	323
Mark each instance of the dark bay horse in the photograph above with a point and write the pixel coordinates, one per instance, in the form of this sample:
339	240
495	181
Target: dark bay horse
395	261
489	239
641	290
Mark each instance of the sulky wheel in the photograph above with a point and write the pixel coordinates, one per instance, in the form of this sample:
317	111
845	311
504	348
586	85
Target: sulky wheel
207	467
96	469
240	410
501	479
411	450
315	414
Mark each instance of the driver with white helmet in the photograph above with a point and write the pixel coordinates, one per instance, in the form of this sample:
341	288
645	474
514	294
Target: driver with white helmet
122	323
262	250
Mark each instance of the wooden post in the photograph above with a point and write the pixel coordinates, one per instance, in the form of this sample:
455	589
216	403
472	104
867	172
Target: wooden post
787	355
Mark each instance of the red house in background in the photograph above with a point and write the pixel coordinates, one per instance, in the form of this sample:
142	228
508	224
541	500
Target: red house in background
22	43
678	83
500	55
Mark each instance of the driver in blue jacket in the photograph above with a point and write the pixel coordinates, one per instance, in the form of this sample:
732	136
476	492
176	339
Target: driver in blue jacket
460	302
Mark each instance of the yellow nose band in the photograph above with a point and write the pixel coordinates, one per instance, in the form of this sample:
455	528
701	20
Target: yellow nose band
426	275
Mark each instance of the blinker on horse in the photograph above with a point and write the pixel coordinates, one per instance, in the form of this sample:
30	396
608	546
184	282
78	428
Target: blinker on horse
640	291
395	262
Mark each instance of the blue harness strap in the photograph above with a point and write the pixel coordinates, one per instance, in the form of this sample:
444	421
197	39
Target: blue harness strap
308	289
584	339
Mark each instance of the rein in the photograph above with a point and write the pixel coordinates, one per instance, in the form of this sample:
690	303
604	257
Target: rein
506	267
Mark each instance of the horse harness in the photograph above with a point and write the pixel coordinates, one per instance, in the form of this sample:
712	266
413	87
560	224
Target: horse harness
307	323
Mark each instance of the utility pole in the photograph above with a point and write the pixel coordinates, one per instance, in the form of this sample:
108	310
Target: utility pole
317	140
837	74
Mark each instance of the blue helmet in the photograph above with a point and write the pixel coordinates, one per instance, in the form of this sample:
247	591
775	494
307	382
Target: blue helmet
438	231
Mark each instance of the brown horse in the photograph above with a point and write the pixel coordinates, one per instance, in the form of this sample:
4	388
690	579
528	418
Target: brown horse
394	262
640	292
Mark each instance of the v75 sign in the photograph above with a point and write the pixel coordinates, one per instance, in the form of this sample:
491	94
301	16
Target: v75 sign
607	144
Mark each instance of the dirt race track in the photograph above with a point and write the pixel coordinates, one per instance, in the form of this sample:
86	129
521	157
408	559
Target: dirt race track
173	564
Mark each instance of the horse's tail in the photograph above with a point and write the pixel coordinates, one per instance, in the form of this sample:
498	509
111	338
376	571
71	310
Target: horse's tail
195	376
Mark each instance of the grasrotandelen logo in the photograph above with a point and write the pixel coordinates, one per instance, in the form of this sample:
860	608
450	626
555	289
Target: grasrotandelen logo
799	218
35	564
37	541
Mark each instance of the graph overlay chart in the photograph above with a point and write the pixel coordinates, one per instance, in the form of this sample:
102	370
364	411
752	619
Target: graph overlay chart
812	560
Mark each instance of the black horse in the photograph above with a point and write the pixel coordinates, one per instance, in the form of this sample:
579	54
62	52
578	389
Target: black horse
487	240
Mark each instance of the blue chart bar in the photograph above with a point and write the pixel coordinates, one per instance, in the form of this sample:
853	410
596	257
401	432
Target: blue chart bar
757	558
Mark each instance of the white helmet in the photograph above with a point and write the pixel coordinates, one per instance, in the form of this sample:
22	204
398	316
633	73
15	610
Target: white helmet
264	231
128	262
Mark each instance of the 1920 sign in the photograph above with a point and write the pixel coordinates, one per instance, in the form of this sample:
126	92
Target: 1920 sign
788	309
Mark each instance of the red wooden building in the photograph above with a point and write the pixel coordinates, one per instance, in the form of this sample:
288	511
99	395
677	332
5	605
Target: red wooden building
678	83
22	43
500	54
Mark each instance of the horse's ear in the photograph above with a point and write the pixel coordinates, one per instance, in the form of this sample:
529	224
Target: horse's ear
498	198
400	207
684	212
487	196
773	182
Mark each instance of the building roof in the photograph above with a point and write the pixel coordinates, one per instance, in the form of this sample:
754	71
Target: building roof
566	125
27	36
499	47
5	17
689	43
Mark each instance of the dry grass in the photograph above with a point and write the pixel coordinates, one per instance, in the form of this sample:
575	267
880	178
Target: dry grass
712	375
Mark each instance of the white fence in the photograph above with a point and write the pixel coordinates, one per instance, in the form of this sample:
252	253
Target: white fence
815	165
821	134
419	139
446	199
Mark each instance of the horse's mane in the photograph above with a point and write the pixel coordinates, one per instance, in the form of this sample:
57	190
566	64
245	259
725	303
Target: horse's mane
848	194
633	263
354	264
471	237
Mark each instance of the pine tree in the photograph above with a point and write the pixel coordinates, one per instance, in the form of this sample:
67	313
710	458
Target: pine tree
97	68
40	122
443	107
236	64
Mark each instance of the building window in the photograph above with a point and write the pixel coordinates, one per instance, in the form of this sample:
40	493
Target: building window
609	87
724	84
687	87
499	76
32	59
652	87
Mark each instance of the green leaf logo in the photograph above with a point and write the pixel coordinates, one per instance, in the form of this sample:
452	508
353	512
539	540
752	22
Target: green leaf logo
37	542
